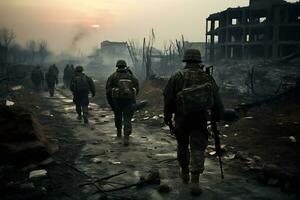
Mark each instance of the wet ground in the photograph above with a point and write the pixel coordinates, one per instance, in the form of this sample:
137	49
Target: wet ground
100	154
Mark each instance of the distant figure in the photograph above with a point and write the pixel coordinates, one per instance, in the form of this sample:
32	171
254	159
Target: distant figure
80	86
52	79
65	76
55	69
37	78
189	94
121	90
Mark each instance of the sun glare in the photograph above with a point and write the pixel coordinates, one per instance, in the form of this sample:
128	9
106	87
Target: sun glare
95	26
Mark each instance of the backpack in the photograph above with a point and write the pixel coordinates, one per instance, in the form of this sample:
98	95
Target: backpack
81	84
197	93
125	90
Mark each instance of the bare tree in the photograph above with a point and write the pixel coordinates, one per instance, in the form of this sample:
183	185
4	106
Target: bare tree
6	39
43	50
31	45
147	54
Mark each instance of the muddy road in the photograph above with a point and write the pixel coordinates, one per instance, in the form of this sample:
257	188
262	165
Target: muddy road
99	153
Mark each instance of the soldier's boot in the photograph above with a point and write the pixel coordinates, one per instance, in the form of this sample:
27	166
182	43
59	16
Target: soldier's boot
184	175
119	133
85	119
126	140
195	188
79	117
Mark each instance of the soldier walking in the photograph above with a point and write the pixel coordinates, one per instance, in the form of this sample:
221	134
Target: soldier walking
121	90
189	95
80	86
37	78
65	76
52	80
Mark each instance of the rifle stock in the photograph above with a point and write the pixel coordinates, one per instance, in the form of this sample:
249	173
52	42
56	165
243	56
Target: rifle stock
218	146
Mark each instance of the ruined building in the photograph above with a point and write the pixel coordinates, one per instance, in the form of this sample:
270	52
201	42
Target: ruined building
266	29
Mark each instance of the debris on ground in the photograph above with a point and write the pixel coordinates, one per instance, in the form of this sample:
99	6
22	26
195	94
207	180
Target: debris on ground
37	174
22	135
164	188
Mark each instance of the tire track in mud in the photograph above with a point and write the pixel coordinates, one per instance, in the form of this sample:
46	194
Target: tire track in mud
103	154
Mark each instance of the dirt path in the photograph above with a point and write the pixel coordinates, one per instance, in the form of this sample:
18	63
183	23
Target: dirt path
103	154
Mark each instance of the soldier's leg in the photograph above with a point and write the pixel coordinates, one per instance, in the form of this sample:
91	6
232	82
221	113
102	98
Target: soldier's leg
198	144
183	154
118	119
78	110
85	111
127	115
51	90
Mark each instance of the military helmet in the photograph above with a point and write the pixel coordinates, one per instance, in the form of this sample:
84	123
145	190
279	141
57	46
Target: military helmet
121	63
192	55
79	69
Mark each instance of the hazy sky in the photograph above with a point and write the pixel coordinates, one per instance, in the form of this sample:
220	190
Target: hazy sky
58	21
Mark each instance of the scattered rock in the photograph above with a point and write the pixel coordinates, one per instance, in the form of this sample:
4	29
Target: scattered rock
115	162
249	117
242	155
164	188
272	182
17	87
226	126
27	186
165	128
155	117
292	139
37	174
9	103
153	177
96	160
229	157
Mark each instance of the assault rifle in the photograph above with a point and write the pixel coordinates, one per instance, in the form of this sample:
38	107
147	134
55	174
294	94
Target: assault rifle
217	145
210	70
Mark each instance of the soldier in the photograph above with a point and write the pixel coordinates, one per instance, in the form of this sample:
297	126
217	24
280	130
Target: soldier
55	69
52	80
37	78
65	76
189	94
80	86
121	90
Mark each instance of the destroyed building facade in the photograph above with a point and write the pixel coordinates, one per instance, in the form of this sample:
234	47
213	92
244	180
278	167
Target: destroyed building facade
268	29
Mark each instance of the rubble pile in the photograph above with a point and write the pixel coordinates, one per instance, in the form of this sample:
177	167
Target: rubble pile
22	141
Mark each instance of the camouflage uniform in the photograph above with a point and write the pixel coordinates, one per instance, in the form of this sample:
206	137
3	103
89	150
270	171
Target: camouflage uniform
55	69
191	129
52	80
123	108
81	97
65	76
37	78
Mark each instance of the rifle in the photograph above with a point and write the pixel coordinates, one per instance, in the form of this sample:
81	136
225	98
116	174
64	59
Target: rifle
217	145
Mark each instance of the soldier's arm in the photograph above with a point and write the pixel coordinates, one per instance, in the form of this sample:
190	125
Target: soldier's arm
92	86
136	84
72	85
169	97
218	108
108	91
